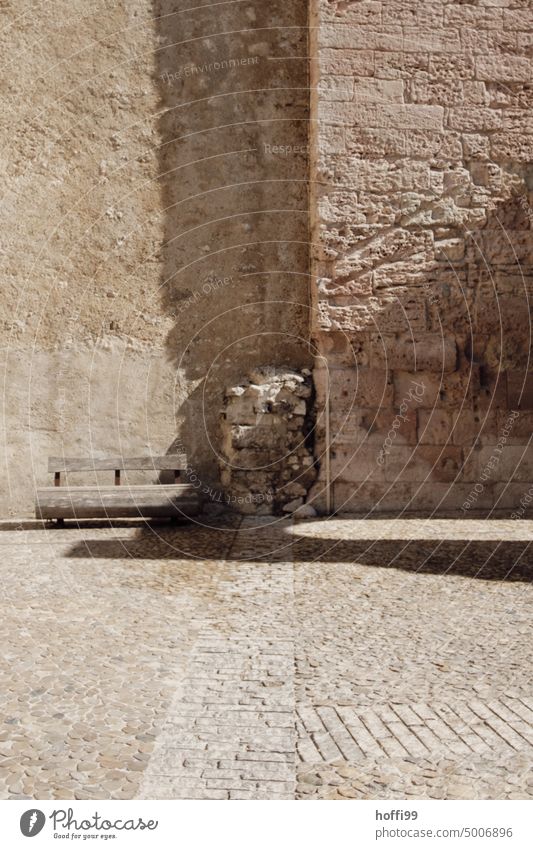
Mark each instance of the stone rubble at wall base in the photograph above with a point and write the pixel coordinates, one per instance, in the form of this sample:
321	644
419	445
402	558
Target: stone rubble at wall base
268	465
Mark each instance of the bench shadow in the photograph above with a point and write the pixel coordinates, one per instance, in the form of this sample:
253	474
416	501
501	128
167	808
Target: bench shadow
487	560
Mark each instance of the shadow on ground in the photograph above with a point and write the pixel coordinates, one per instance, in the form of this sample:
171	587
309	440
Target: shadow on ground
488	560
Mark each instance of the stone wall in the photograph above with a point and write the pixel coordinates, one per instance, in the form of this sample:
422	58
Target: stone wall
154	238
422	253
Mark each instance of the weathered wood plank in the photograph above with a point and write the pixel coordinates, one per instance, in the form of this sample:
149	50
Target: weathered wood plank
113	502
95	464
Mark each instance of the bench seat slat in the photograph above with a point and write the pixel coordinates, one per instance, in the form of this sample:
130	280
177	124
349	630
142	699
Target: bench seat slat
166	462
92	502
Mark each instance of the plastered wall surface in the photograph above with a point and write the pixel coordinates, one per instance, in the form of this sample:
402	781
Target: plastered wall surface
144	209
422	144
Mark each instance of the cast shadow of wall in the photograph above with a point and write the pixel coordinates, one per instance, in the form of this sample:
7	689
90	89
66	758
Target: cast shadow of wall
235	279
487	560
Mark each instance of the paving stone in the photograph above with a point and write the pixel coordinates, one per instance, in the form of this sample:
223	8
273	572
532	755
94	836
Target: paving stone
287	660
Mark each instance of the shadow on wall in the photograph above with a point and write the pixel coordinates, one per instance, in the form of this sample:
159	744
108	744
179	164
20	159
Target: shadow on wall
233	165
464	334
484	295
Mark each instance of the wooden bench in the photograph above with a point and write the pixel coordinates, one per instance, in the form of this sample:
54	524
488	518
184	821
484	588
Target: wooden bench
117	502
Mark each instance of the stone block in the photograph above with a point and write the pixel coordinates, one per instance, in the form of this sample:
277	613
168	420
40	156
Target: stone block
376	91
375	142
524	42
452	66
472	119
365	12
411	13
358	497
402	117
394	314
478	42
522	426
431	39
447	390
500	314
499	246
472	427
511	146
450	250
442	497
384	178
520	390
516	498
333	142
359	425
347	290
352	388
243	413
480	17
370	498
335	88
435	426
365	37
351	62
343	351
518	19
476	146
356	463
425	89
504	67
491	393
441	463
258	437
500	462
433	145
400	65
412	352
475	92
517	121
397	243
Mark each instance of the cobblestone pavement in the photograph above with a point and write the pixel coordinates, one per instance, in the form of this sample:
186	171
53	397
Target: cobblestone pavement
323	659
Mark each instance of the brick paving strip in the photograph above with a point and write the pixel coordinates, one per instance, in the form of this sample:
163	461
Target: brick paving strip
230	731
417	730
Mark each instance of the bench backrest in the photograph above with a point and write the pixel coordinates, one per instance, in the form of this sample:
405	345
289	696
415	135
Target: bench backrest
168	462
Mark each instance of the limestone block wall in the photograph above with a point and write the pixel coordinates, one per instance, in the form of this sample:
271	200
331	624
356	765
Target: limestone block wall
422	256
154	242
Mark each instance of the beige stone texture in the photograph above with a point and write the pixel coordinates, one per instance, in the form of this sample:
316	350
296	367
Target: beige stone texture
153	245
421	215
164	214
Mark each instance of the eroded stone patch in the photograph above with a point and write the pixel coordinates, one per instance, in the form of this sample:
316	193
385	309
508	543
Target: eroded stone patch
267	465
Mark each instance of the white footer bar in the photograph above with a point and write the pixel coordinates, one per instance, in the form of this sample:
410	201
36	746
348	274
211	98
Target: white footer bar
268	825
